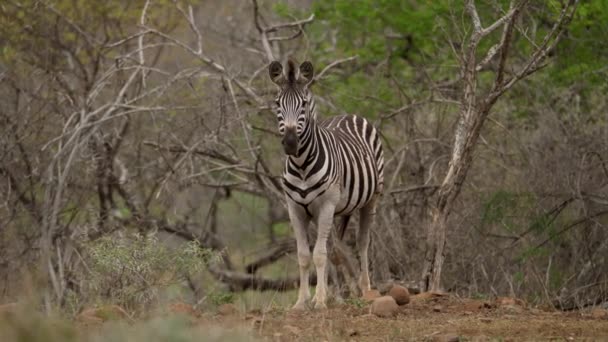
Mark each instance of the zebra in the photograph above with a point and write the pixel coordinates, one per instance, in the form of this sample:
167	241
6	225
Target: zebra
333	168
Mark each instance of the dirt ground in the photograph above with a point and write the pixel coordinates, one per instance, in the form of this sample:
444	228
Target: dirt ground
430	318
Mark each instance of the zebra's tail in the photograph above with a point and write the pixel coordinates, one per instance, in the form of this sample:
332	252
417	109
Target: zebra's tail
342	224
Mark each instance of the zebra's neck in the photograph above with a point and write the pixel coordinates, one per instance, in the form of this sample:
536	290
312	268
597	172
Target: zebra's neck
309	146
309	150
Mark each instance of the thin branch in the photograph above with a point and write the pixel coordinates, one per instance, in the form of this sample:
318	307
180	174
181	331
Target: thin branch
334	64
297	23
414	188
142	61
541	52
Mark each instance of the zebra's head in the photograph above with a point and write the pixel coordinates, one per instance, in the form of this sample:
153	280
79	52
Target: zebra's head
294	109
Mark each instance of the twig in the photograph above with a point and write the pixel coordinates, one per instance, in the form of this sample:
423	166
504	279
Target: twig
334	64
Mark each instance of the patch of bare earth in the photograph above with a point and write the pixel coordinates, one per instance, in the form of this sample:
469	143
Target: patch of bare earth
432	318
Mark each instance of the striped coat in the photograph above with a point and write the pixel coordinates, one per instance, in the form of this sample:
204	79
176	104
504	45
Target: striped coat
344	149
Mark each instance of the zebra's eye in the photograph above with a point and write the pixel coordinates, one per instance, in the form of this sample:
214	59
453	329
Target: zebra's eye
304	103
277	103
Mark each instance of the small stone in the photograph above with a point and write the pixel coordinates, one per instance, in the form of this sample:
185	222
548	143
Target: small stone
227	309
437	308
370	295
384	306
400	294
509	301
599	313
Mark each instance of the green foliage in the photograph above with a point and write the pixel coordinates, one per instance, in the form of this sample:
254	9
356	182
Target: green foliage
46	34
219	298
479	296
282	9
363	24
533	252
582	54
356	302
507	209
130	271
392	50
282	229
406	37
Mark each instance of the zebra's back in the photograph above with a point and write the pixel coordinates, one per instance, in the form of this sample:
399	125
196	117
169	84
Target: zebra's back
362	159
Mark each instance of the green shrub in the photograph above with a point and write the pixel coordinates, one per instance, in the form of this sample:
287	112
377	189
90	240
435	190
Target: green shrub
219	298
130	271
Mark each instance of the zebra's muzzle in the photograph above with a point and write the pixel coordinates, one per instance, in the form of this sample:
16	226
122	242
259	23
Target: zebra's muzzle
290	142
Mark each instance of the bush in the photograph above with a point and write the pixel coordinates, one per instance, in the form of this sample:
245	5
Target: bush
130	271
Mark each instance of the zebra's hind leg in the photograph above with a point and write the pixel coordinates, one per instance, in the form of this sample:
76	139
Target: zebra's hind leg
300	222
367	217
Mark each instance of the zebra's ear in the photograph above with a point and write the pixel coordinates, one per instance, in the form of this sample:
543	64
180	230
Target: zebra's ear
307	72
275	70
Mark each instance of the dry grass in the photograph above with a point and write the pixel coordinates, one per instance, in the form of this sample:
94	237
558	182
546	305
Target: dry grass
425	318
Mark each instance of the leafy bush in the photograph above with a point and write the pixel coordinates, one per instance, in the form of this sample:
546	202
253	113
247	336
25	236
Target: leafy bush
130	271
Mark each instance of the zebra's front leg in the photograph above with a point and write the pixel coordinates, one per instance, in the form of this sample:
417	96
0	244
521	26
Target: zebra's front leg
300	222
319	256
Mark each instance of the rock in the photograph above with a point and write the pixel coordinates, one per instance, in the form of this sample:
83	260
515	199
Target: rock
400	294
506	301
449	337
437	308
227	309
370	295
599	313
384	306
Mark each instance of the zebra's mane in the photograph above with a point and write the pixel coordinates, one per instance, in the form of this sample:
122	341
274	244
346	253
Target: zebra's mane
291	72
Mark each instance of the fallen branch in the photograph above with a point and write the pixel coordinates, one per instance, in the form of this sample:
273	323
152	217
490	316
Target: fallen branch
238	281
280	250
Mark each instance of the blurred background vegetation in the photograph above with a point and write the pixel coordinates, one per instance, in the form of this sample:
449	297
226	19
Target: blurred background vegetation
139	159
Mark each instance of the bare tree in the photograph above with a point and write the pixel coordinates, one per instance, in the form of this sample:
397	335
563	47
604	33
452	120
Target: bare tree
475	106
